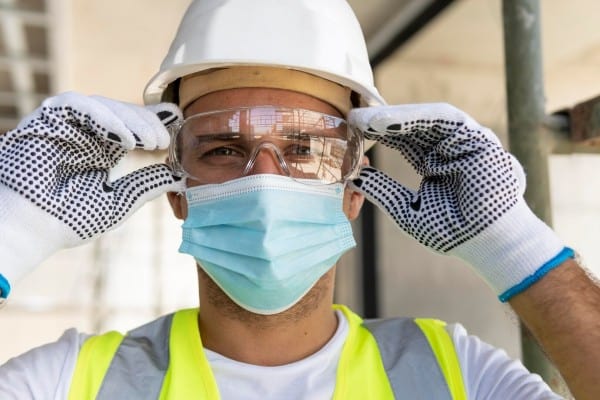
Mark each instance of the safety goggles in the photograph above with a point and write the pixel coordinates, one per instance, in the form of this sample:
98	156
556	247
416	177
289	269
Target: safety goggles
218	146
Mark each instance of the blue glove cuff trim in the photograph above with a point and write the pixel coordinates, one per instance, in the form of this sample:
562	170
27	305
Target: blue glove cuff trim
564	254
4	287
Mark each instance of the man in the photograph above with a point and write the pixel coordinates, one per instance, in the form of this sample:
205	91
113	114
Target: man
265	175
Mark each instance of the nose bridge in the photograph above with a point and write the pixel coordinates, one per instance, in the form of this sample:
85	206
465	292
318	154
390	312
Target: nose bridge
266	158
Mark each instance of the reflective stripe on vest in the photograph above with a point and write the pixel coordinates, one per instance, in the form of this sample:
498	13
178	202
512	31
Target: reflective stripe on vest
382	359
401	343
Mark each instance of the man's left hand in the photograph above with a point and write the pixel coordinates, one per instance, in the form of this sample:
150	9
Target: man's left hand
470	201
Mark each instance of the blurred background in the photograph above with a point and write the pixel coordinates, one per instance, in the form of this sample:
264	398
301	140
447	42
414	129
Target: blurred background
422	51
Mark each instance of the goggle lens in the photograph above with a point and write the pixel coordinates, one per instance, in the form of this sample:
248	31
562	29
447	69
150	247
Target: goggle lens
219	146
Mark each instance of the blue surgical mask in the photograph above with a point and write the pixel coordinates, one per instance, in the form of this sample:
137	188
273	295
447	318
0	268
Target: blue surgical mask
265	240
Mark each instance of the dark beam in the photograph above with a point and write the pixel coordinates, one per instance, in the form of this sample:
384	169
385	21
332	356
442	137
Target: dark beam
407	31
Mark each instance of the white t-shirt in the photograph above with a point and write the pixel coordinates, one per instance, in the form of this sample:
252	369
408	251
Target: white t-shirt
45	372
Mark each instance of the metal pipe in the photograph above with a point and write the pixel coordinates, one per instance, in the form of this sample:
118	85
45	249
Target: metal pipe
525	103
11	98
369	259
38	64
99	263
525	96
157	257
399	29
32	18
387	32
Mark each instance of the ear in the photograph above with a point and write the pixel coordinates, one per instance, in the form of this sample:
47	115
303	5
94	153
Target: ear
178	204
353	200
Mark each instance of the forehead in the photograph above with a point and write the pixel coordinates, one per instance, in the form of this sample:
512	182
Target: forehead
250	97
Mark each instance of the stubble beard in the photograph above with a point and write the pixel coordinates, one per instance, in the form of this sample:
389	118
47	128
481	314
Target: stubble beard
314	298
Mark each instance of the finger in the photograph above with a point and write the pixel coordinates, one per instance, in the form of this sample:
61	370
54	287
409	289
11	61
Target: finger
169	115
147	124
361	117
425	125
143	124
401	118
407	128
394	120
519	174
135	189
390	196
85	111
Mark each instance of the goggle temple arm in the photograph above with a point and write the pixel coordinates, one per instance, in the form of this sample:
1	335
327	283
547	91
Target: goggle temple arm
172	156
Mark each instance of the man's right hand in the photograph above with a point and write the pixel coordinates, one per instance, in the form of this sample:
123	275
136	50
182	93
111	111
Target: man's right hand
55	190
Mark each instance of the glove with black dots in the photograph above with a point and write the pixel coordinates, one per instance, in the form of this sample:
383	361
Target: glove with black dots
470	201
54	178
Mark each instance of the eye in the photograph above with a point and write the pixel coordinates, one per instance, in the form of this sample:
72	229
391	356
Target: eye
221	155
299	149
220	148
223	151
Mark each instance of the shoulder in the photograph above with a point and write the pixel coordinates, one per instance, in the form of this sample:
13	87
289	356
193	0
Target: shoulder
42	372
488	372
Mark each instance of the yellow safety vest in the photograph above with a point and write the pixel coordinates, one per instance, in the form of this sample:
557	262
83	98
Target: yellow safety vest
381	359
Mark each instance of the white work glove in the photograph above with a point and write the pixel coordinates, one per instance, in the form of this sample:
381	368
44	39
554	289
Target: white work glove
54	179
470	201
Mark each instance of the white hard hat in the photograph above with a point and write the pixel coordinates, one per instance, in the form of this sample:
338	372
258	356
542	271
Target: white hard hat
319	37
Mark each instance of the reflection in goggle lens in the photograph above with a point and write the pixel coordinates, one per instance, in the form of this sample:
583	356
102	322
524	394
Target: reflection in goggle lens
219	146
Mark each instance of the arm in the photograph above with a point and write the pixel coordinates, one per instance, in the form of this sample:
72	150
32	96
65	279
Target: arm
562	310
43	372
470	205
489	373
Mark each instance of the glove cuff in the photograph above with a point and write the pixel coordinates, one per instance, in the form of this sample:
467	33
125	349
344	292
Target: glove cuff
564	254
514	252
29	236
4	288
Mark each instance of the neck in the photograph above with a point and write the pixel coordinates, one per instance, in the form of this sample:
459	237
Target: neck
267	340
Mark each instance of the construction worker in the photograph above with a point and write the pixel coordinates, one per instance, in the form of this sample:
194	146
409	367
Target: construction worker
264	106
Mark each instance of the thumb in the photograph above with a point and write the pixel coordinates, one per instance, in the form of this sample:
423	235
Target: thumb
135	189
390	196
519	174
